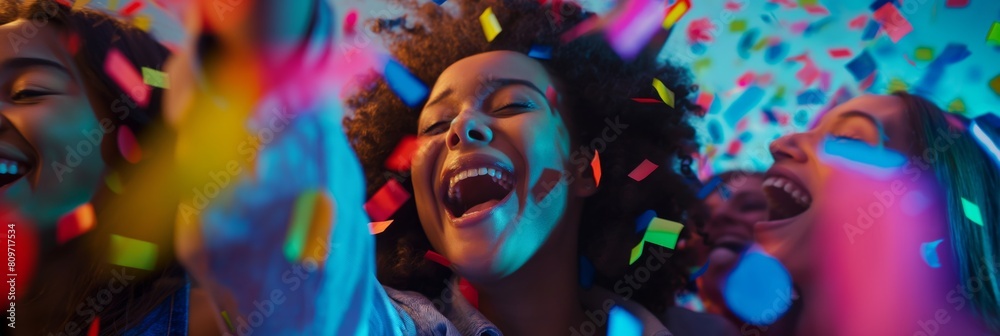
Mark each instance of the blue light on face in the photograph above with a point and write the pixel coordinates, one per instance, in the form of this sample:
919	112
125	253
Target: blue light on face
860	156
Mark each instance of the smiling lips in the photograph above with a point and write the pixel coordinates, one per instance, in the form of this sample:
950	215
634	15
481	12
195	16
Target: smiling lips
11	171
478	187
786	197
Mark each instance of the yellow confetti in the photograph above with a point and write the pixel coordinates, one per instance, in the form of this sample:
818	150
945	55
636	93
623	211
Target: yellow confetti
132	253
79	4
957	106
675	13
897	84
666	95
491	26
143	21
636	252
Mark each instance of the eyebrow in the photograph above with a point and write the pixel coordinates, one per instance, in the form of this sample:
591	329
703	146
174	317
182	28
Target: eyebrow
878	124
494	84
27	62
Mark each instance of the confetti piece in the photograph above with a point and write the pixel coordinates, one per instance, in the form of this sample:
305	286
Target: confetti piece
540	52
628	32
745	79
746	102
972	212
587	272
957	106
78	4
552	96
491	26
114	182
378	227
666	95
643	170
701	31
636	252
840	52
734	148
953	53
893	22
131	8
350	21
133	253
95	327
924	54
858	22
738	26
733	6
155	78
985	141
623	323
929	253
746	43
386	201
956	3
549	180
776	53
642	222
705	100
663	232
759	289
128	146
437	258
715	131
229	324
816	10
127	77
407	87
312	215
77	222
993	36
709	187
808	74
647	100
811	97
870	30
440	2
676	12
143	21
861	66
875	5
402	156
595	165
468	292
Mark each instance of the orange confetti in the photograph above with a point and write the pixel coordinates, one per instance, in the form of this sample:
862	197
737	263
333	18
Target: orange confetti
595	164
75	223
378	227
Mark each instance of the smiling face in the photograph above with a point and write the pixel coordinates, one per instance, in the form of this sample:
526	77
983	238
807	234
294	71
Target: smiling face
795	184
733	215
45	114
490	142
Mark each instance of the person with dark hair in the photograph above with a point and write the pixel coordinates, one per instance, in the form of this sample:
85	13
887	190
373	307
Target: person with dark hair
886	214
68	126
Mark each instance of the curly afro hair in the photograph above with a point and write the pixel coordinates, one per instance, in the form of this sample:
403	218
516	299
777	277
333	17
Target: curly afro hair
597	86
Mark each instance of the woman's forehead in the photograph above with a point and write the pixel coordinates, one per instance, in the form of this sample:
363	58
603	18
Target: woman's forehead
494	64
28	39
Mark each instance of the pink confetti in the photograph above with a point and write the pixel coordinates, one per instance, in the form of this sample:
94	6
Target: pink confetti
132	8
893	22
647	100
956	3
733	6
552	96
629	31
867	82
840	52
643	170
468	292
746	79
128	146
386	201
700	31
799	27
580	29
734	148
908	60
705	100
350	21
435	257
858	22
824	81
808	74
127	77
816	10
402	156
378	227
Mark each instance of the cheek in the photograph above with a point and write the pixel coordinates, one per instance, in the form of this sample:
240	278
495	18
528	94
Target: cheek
423	171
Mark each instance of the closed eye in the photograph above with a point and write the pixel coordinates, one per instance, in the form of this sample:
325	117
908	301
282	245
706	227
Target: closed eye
517	106
27	94
436	128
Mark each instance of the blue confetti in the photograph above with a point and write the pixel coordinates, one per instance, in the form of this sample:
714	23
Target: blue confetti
623	323
709	187
407	87
746	136
861	66
870	30
776	53
953	53
746	102
815	27
715	131
694	276
771	118
439	2
747	42
540	52
929	252
879	3
811	97
759	289
698	49
586	272
642	222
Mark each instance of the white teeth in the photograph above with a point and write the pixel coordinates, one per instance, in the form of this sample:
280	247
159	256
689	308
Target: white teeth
769	182
796	194
499	175
13	169
778	183
3	167
491	172
483	171
789	187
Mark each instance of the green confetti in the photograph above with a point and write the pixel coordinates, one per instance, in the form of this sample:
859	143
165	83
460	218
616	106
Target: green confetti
897	84
994	35
738	26
636	252
302	217
663	232
155	78
972	212
995	85
924	54
957	106
808	2
133	253
229	323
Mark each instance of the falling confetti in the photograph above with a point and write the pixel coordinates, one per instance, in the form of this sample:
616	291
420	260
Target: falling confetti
540	52
491	26
133	253
642	222
386	201
746	102
350	21
155	78
128	146
862	66
229	324
143	21
630	30
402	156
666	95
956	3
132	8
437	258
114	182
676	12
929	252
77	222
127	77
79	4
893	22
993	37
595	165
312	217
379	227
924	54
643	170
623	323
759	288
663	232
840	52
407	87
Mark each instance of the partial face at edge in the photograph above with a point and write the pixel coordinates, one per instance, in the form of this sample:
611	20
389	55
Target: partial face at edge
46	120
487	135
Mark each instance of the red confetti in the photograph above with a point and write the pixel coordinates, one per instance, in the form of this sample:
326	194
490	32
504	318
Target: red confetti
402	156
378	227
705	100
733	6
956	3
734	148
75	223
840	52
350	21
858	22
94	327
435	257
700	31
468	292
386	201
128	146
808	74
546	183
132	8
908	60
595	165
816	10
647	100
552	96
127	77
800	58
745	79
72	43
26	247
893	22
643	170
742	125
867	82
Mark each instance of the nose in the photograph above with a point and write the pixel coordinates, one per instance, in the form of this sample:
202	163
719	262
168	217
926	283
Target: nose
788	147
469	129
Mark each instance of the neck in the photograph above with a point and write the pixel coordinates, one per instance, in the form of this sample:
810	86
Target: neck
542	297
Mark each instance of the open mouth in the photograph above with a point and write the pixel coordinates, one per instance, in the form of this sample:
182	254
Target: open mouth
11	171
478	187
787	198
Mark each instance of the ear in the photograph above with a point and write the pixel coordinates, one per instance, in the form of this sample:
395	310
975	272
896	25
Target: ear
585	180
